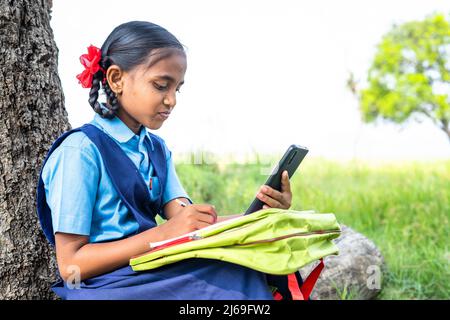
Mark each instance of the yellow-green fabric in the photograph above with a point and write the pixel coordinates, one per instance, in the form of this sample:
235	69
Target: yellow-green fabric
273	241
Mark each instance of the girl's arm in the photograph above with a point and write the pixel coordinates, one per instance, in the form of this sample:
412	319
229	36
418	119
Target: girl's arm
75	253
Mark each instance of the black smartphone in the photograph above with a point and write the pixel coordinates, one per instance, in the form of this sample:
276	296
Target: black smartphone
290	162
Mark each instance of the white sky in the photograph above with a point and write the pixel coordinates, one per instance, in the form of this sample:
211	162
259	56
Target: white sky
261	74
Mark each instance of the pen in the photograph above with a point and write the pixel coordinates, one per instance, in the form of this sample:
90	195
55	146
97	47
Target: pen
181	203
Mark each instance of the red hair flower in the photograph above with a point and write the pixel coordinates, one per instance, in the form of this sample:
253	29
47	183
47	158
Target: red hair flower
90	61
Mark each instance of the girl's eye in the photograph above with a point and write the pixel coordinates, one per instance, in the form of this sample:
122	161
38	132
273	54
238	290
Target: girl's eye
159	87
162	88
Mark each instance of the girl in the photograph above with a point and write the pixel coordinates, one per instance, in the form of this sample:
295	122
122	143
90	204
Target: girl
102	184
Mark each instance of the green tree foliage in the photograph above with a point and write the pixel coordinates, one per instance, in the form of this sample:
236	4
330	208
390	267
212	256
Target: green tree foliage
410	74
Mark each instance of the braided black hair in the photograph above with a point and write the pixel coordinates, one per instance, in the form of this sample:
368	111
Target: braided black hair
128	46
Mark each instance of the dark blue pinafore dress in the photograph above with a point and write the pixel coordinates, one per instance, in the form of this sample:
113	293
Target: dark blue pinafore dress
191	279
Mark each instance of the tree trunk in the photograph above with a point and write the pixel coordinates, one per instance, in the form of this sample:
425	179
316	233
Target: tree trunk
32	115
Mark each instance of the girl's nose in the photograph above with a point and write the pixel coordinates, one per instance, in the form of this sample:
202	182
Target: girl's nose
170	100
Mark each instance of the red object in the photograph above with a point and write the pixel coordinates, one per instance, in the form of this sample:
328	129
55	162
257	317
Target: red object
311	280
277	296
303	292
90	61
168	244
295	290
171	243
151	183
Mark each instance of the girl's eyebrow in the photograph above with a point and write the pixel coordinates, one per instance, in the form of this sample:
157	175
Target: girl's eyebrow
169	78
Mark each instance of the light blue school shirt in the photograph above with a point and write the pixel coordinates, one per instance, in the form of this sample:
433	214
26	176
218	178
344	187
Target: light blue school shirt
80	193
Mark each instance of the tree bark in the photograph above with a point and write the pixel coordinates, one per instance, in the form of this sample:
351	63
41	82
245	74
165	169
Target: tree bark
32	115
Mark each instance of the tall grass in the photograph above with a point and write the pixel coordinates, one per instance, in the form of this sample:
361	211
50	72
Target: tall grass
403	207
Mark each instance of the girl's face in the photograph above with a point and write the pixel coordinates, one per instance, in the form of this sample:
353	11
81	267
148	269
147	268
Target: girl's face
147	93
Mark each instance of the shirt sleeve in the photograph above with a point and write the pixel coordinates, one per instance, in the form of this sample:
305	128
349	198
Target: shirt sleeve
173	188
71	178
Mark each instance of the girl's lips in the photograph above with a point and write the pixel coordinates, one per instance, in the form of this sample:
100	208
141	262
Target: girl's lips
164	115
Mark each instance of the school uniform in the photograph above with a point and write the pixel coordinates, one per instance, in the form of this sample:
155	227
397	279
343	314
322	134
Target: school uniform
88	186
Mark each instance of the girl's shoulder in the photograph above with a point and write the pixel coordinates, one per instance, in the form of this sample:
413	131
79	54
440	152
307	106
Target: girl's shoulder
75	158
79	143
77	139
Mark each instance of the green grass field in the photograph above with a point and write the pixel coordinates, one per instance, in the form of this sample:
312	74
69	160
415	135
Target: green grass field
403	207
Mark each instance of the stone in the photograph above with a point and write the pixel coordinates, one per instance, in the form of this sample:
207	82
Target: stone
356	273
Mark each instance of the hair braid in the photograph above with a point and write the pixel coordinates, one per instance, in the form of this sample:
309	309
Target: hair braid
105	111
111	98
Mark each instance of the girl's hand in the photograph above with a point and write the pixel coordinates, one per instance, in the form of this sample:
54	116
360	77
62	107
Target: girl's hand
190	218
274	198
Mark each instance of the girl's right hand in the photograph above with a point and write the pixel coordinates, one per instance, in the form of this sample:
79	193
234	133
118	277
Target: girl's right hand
190	218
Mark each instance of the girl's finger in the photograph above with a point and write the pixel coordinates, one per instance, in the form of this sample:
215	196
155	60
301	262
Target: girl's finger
206	209
201	224
282	198
269	201
271	192
285	183
206	218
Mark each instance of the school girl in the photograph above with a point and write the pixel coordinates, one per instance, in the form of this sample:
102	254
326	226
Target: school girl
101	185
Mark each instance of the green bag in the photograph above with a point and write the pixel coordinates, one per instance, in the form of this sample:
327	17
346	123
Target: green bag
273	241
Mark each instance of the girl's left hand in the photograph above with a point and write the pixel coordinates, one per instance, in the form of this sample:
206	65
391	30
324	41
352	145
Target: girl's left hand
274	198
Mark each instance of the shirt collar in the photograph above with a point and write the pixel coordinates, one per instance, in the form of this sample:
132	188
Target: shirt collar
144	134
119	130
115	128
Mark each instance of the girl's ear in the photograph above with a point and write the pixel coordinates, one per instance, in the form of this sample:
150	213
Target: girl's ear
114	76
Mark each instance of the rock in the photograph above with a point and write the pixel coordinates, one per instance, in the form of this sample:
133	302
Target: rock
356	273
